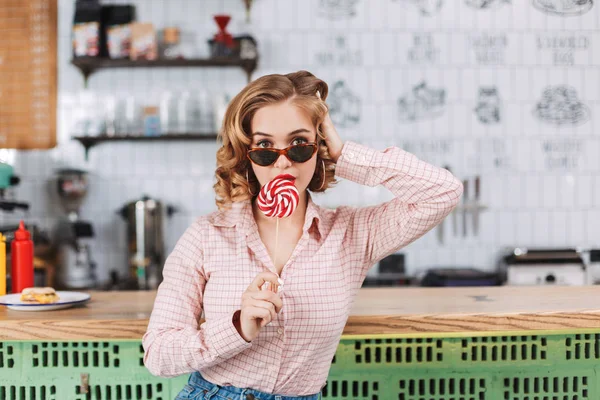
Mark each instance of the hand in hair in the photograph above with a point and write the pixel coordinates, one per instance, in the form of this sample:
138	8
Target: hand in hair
332	138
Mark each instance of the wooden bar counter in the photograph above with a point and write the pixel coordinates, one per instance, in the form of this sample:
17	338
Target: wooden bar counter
378	311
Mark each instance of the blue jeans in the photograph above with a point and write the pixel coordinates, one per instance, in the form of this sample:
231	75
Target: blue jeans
199	388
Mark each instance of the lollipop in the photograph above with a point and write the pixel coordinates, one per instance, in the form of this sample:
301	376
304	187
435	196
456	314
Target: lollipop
278	198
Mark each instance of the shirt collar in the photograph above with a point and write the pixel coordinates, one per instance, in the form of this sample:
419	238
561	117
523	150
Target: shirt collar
240	214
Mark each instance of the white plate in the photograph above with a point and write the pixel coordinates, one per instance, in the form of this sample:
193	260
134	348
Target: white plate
67	299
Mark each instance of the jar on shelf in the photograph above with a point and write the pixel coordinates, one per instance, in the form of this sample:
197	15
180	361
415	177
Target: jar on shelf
220	103
170	46
206	110
169	121
110	115
151	121
128	116
189	114
88	114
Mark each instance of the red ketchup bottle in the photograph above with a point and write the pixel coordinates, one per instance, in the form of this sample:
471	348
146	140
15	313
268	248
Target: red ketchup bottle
21	254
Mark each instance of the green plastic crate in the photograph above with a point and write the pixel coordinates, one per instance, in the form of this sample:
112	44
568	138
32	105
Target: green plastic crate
548	366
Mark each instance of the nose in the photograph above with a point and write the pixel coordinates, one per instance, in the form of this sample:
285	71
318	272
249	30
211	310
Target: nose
282	162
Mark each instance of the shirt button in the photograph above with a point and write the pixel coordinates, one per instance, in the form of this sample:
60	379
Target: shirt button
350	155
280	331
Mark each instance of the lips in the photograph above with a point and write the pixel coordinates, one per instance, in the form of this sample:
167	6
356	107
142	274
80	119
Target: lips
286	177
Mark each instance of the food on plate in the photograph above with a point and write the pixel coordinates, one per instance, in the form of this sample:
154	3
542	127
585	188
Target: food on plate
40	295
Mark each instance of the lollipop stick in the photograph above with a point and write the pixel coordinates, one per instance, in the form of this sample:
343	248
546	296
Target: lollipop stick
276	242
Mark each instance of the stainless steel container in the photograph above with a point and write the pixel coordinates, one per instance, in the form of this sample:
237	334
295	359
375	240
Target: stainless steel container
145	240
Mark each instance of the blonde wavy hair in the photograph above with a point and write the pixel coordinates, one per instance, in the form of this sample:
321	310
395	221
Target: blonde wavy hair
235	136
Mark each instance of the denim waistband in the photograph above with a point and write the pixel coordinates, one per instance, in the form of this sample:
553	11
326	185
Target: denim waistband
237	393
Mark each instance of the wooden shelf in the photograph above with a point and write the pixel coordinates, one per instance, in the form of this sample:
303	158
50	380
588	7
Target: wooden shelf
90	141
89	65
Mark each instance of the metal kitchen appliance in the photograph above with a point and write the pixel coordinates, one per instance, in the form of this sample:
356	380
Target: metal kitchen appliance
390	271
522	266
73	237
456	276
7	180
145	244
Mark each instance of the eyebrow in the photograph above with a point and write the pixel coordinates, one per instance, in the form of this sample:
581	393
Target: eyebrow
301	130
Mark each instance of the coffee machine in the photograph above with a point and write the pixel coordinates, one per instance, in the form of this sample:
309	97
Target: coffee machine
74	237
8	179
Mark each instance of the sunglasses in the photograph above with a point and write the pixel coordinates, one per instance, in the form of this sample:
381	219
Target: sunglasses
298	153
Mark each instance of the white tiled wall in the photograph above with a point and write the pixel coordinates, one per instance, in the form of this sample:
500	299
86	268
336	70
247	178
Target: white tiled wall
380	49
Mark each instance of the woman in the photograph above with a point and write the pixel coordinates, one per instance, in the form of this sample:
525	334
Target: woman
258	344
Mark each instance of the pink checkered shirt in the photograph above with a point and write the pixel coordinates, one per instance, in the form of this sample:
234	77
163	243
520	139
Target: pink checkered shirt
220	254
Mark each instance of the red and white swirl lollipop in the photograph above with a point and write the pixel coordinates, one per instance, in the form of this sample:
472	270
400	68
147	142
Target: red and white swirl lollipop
278	198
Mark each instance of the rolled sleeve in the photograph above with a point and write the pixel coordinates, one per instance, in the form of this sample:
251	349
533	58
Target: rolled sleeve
423	196
174	344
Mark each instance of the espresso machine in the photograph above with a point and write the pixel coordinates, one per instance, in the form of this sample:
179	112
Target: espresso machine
74	237
8	179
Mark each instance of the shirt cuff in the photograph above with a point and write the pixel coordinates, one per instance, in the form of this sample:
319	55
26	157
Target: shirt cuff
222	336
354	162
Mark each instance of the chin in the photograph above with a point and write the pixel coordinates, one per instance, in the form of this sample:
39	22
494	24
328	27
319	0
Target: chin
301	189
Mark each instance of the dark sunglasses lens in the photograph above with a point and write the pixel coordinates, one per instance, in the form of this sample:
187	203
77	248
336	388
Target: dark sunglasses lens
301	153
263	157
